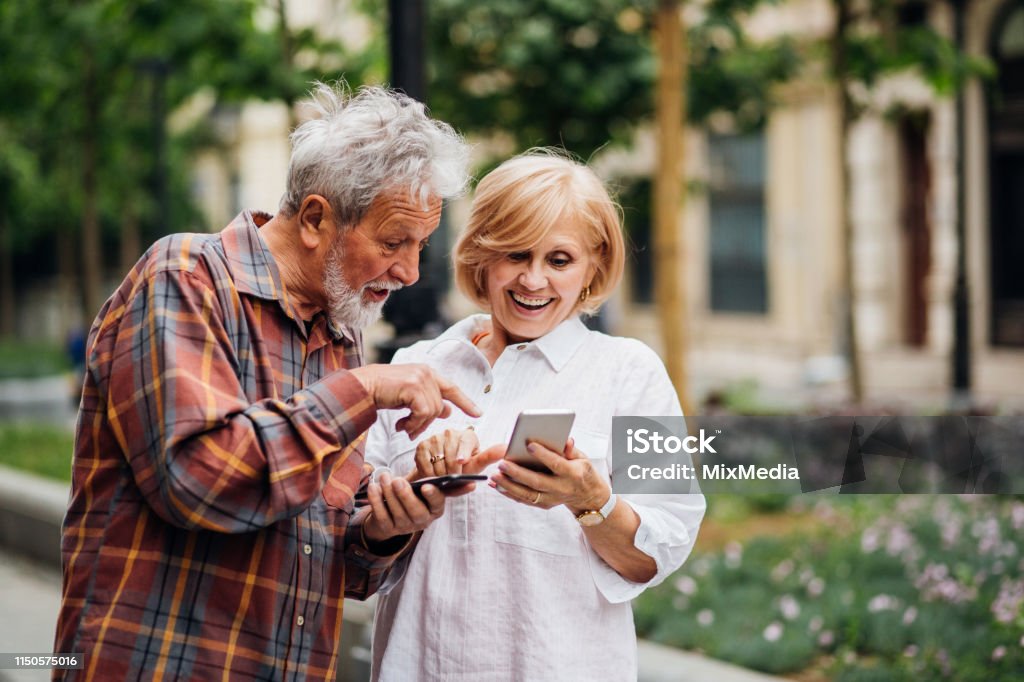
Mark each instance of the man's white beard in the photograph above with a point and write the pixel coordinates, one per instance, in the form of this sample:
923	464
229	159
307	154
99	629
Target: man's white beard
345	305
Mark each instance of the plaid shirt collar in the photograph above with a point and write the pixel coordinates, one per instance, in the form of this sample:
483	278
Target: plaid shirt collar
255	271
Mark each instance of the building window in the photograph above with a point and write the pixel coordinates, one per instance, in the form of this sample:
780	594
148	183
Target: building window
737	240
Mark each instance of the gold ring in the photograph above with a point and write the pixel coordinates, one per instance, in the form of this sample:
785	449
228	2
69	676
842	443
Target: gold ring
536	500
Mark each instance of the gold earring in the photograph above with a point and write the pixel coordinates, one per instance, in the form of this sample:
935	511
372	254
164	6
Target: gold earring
585	294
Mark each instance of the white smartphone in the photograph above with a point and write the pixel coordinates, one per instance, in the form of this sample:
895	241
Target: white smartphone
549	427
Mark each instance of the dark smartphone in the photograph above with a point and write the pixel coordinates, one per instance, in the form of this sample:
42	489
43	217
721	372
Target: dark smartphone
447	483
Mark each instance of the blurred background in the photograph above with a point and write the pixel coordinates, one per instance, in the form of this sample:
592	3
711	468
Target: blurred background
824	200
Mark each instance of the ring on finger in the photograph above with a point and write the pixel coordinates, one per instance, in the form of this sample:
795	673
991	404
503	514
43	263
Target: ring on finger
536	500
436	458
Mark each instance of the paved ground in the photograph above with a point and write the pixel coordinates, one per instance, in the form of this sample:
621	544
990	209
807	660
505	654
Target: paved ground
29	600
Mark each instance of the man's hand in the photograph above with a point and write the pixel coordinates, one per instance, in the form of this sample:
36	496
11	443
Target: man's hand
395	509
417	387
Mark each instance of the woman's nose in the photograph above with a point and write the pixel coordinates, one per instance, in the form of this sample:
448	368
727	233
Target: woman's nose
533	277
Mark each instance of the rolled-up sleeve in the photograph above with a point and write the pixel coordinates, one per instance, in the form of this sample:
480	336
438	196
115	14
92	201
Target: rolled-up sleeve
668	523
667	533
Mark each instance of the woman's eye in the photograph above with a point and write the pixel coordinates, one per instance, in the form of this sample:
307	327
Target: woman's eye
518	257
559	261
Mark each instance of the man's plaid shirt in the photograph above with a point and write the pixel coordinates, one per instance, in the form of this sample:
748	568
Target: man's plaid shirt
210	532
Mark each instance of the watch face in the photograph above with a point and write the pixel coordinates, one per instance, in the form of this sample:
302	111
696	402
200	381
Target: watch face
590	518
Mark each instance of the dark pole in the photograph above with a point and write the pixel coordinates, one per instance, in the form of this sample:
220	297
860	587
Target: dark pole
408	47
961	301
412	311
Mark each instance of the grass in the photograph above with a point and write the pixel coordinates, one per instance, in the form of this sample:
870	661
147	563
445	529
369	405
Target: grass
37	448
31	360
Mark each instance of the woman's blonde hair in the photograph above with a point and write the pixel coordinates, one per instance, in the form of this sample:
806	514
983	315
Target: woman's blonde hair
520	202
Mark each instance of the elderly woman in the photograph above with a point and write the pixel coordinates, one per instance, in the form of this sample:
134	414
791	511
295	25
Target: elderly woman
530	578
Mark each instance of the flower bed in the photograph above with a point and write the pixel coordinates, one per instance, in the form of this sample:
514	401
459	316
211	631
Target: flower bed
887	588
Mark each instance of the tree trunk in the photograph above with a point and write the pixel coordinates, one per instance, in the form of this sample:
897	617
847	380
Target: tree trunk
840	70
92	269
131	247
7	309
670	113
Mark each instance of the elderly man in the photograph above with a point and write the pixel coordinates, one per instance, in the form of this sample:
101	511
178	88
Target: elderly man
211	531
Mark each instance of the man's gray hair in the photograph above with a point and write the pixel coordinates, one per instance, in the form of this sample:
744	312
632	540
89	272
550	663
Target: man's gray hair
374	141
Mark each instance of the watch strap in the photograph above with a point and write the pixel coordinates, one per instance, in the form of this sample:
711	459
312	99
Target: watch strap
609	506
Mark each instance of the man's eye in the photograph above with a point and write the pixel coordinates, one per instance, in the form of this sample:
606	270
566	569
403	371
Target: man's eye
391	246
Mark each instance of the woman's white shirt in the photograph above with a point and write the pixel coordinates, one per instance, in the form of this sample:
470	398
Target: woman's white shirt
501	591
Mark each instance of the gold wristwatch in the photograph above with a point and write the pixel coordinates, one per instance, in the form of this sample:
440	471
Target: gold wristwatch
592	517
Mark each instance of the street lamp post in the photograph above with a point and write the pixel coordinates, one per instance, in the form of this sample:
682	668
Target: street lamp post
961	302
413	312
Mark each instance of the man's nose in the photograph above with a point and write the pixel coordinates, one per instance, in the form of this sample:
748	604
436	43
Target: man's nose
407	268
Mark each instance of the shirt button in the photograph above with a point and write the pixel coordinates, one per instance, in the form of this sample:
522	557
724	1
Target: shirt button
300	621
487	388
308	549
521	346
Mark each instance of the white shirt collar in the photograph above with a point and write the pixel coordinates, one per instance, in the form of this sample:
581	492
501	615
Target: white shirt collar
557	346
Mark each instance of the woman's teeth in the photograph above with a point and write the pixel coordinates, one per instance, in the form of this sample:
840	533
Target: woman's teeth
528	302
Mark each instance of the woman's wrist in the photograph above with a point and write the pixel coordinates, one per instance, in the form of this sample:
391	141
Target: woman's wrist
593	503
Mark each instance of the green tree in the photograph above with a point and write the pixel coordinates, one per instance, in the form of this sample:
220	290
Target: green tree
95	82
581	73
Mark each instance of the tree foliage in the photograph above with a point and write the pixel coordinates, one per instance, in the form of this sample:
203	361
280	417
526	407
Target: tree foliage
580	73
89	86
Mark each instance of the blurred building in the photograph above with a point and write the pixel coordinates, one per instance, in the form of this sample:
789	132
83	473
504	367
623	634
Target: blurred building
763	251
763	244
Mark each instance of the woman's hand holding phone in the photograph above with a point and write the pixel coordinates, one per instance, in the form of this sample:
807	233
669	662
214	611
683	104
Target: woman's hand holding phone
570	480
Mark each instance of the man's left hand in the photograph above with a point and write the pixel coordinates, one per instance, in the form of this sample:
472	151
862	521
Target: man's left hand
396	510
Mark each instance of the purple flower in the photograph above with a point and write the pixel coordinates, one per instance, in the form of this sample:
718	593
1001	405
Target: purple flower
882	602
789	607
686	585
774	631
